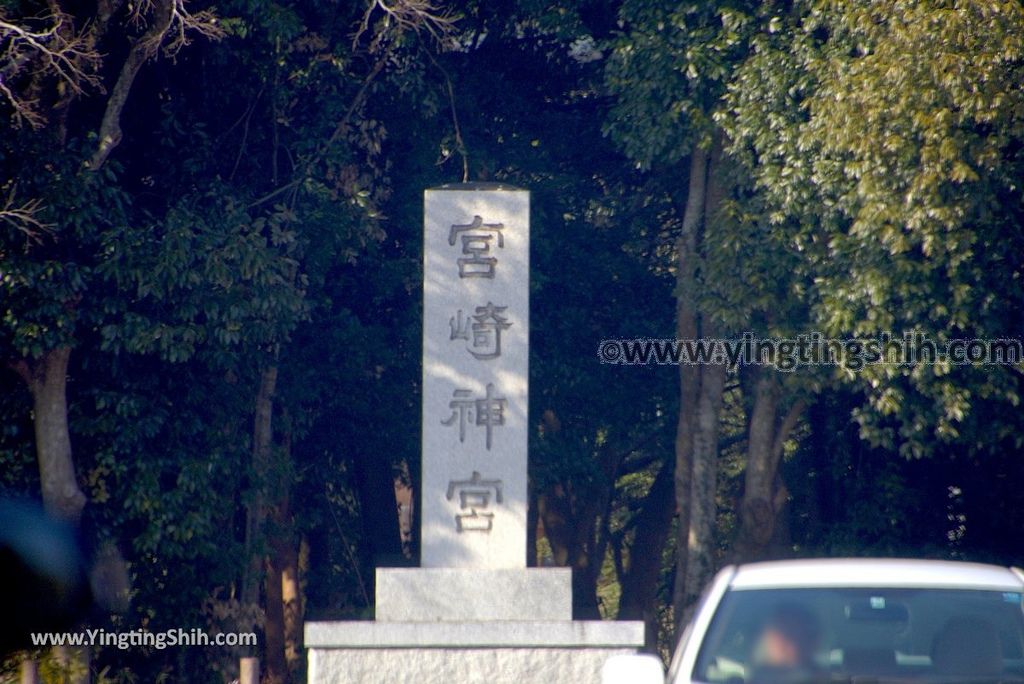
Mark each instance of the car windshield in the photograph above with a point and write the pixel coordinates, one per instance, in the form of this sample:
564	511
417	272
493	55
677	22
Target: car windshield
879	635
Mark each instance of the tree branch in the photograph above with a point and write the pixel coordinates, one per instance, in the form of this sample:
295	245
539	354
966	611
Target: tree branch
57	51
24	217
786	427
339	130
169	18
401	16
460	144
396	17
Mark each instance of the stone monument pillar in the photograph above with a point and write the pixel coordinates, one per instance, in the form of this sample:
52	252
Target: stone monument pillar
473	611
476	333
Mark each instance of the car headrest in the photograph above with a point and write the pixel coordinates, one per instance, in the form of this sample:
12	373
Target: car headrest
967	646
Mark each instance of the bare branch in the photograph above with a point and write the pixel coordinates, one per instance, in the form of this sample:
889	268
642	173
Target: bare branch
167	21
182	23
386	21
56	51
24	217
23	110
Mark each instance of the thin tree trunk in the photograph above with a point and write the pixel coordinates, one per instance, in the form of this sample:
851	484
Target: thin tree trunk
764	494
276	667
381	544
757	513
554	514
589	557
704	480
640	583
47	382
294	608
282	567
571	526
781	543
263	436
689	376
575	543
704	485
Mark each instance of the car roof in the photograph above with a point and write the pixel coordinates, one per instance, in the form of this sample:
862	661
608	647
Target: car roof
866	572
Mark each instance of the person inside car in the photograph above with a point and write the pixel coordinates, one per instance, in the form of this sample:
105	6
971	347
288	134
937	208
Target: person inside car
785	646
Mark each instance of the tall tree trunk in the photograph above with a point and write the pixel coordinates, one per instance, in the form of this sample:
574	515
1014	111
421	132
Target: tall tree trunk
781	544
381	544
553	511
576	543
700	551
689	376
276	667
704	485
585	572
256	515
764	495
570	535
283	624
294	608
280	560
640	583
571	525
47	382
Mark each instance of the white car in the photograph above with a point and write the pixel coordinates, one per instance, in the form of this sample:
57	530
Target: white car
847	621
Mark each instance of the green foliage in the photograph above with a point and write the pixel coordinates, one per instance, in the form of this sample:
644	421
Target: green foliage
46	273
887	139
265	208
208	275
668	70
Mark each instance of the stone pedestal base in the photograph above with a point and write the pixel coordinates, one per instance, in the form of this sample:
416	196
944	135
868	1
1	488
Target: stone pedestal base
468	626
512	652
477	594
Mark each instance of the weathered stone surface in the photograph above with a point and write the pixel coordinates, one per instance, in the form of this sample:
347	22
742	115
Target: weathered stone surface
511	634
466	652
459	666
439	594
475	376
